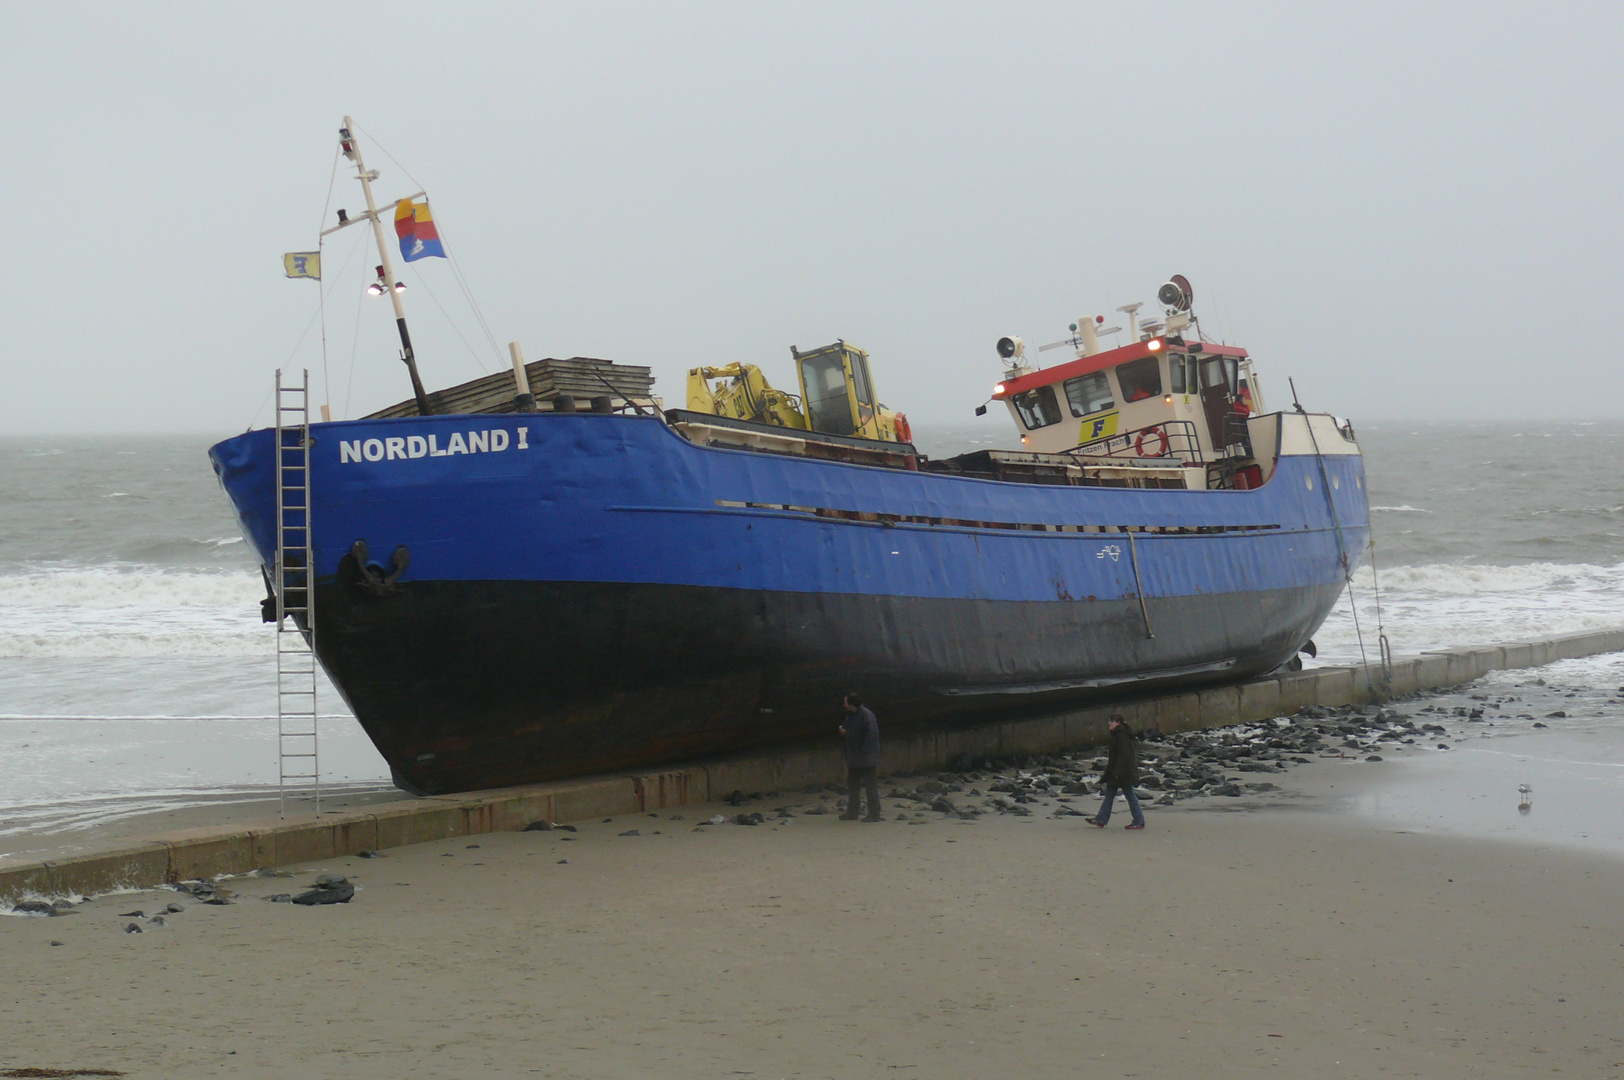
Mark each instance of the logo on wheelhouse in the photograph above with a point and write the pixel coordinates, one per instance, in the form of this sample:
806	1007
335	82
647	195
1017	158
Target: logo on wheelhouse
403	447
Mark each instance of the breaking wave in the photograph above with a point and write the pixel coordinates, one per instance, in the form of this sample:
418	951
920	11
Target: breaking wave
1446	579
113	613
1449	605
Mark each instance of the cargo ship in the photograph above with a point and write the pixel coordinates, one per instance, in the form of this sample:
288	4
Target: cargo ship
508	587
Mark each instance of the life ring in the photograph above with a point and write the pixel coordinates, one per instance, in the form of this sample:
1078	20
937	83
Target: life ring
904	432
1139	443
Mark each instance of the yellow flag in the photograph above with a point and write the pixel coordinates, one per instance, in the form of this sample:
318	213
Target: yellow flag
303	264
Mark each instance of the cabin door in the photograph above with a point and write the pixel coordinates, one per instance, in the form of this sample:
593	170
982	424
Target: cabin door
1218	389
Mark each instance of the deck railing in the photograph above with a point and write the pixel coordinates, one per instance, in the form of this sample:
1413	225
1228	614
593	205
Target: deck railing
1169	438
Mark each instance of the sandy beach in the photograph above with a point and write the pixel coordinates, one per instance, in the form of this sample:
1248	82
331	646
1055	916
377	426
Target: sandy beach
1274	938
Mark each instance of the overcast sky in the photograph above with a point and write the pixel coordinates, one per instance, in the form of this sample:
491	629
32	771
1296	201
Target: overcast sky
1411	209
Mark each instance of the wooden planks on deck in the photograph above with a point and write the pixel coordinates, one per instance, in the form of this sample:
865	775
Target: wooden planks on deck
581	377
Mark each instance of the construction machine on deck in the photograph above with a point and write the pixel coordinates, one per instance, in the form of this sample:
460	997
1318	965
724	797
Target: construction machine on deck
837	396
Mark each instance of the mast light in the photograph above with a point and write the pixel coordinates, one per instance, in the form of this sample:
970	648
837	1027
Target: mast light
1155	344
379	287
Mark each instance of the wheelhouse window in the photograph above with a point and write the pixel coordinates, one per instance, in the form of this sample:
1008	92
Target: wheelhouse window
1140	379
1221	371
1181	375
1089	393
1037	408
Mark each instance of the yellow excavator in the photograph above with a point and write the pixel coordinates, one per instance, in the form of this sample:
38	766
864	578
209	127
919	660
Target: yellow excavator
835	386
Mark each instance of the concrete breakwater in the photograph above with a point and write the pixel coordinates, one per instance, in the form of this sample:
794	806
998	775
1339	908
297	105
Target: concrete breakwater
208	852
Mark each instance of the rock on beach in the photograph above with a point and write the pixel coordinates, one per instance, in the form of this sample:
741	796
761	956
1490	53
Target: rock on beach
329	889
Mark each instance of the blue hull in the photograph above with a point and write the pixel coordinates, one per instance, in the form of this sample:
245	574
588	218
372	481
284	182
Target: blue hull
590	592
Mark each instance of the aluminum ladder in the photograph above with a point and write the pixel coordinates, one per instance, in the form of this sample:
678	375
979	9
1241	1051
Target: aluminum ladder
298	764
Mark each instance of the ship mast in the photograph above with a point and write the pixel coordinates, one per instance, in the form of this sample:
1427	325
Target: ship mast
352	150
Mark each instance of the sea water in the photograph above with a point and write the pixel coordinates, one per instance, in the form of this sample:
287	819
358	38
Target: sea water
135	670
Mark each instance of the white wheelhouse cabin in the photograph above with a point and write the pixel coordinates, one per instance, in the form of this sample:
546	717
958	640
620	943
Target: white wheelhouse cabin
1158	402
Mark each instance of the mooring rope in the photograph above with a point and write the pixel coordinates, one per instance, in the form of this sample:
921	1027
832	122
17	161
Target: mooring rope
1341	543
1382	644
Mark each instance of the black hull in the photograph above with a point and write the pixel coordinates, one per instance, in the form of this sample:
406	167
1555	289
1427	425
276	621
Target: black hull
470	685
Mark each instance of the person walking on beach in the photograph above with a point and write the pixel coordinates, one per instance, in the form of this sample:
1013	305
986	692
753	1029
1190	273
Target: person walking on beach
1121	774
862	734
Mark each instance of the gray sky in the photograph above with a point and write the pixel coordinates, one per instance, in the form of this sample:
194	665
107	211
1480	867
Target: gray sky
1411	209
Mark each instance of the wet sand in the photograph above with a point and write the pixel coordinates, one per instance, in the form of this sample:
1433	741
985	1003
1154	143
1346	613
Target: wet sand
1360	920
1280	941
103	824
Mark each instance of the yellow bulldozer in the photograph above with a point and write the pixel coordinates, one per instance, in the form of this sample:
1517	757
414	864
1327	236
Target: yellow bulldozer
837	396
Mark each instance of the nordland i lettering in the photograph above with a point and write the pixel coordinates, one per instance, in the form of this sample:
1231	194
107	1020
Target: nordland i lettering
489	441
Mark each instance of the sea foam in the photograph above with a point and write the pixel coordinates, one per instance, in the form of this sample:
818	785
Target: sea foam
1447	605
131	613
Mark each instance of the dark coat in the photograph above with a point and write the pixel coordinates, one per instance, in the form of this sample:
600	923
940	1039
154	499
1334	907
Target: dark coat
1122	764
862	740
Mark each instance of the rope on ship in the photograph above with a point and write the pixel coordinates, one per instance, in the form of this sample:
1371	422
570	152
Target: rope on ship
1385	648
319	315
456	270
1382	643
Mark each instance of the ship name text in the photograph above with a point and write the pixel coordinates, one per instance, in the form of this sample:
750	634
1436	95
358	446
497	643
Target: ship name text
489	441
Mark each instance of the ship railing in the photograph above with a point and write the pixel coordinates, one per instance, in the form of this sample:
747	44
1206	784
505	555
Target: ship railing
1166	439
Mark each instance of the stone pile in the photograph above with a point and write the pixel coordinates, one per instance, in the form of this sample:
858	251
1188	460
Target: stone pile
1218	762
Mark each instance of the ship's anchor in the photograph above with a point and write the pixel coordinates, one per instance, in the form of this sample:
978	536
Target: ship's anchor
373	579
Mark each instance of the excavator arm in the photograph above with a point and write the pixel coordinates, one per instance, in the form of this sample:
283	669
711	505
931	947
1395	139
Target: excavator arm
742	393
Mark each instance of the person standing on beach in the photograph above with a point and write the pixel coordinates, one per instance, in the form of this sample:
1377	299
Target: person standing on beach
1121	774
862	735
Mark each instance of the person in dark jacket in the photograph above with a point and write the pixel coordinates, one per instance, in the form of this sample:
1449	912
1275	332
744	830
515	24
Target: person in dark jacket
1121	774
862	735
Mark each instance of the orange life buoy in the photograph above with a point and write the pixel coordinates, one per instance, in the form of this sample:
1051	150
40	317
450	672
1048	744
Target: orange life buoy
904	432
1139	443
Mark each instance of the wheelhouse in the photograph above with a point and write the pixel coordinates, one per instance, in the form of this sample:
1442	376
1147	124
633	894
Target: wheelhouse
1167	395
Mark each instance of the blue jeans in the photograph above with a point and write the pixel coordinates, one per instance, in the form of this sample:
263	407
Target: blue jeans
1133	805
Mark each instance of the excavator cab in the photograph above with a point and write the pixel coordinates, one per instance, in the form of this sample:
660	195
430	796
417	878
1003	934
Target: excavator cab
838	391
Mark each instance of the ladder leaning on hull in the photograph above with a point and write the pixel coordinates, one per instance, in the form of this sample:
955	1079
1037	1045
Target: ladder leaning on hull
298	765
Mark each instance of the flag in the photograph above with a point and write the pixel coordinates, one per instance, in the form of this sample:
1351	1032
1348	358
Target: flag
415	227
303	264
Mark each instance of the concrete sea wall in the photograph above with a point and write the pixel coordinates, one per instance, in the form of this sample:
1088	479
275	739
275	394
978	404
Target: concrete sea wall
205	853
